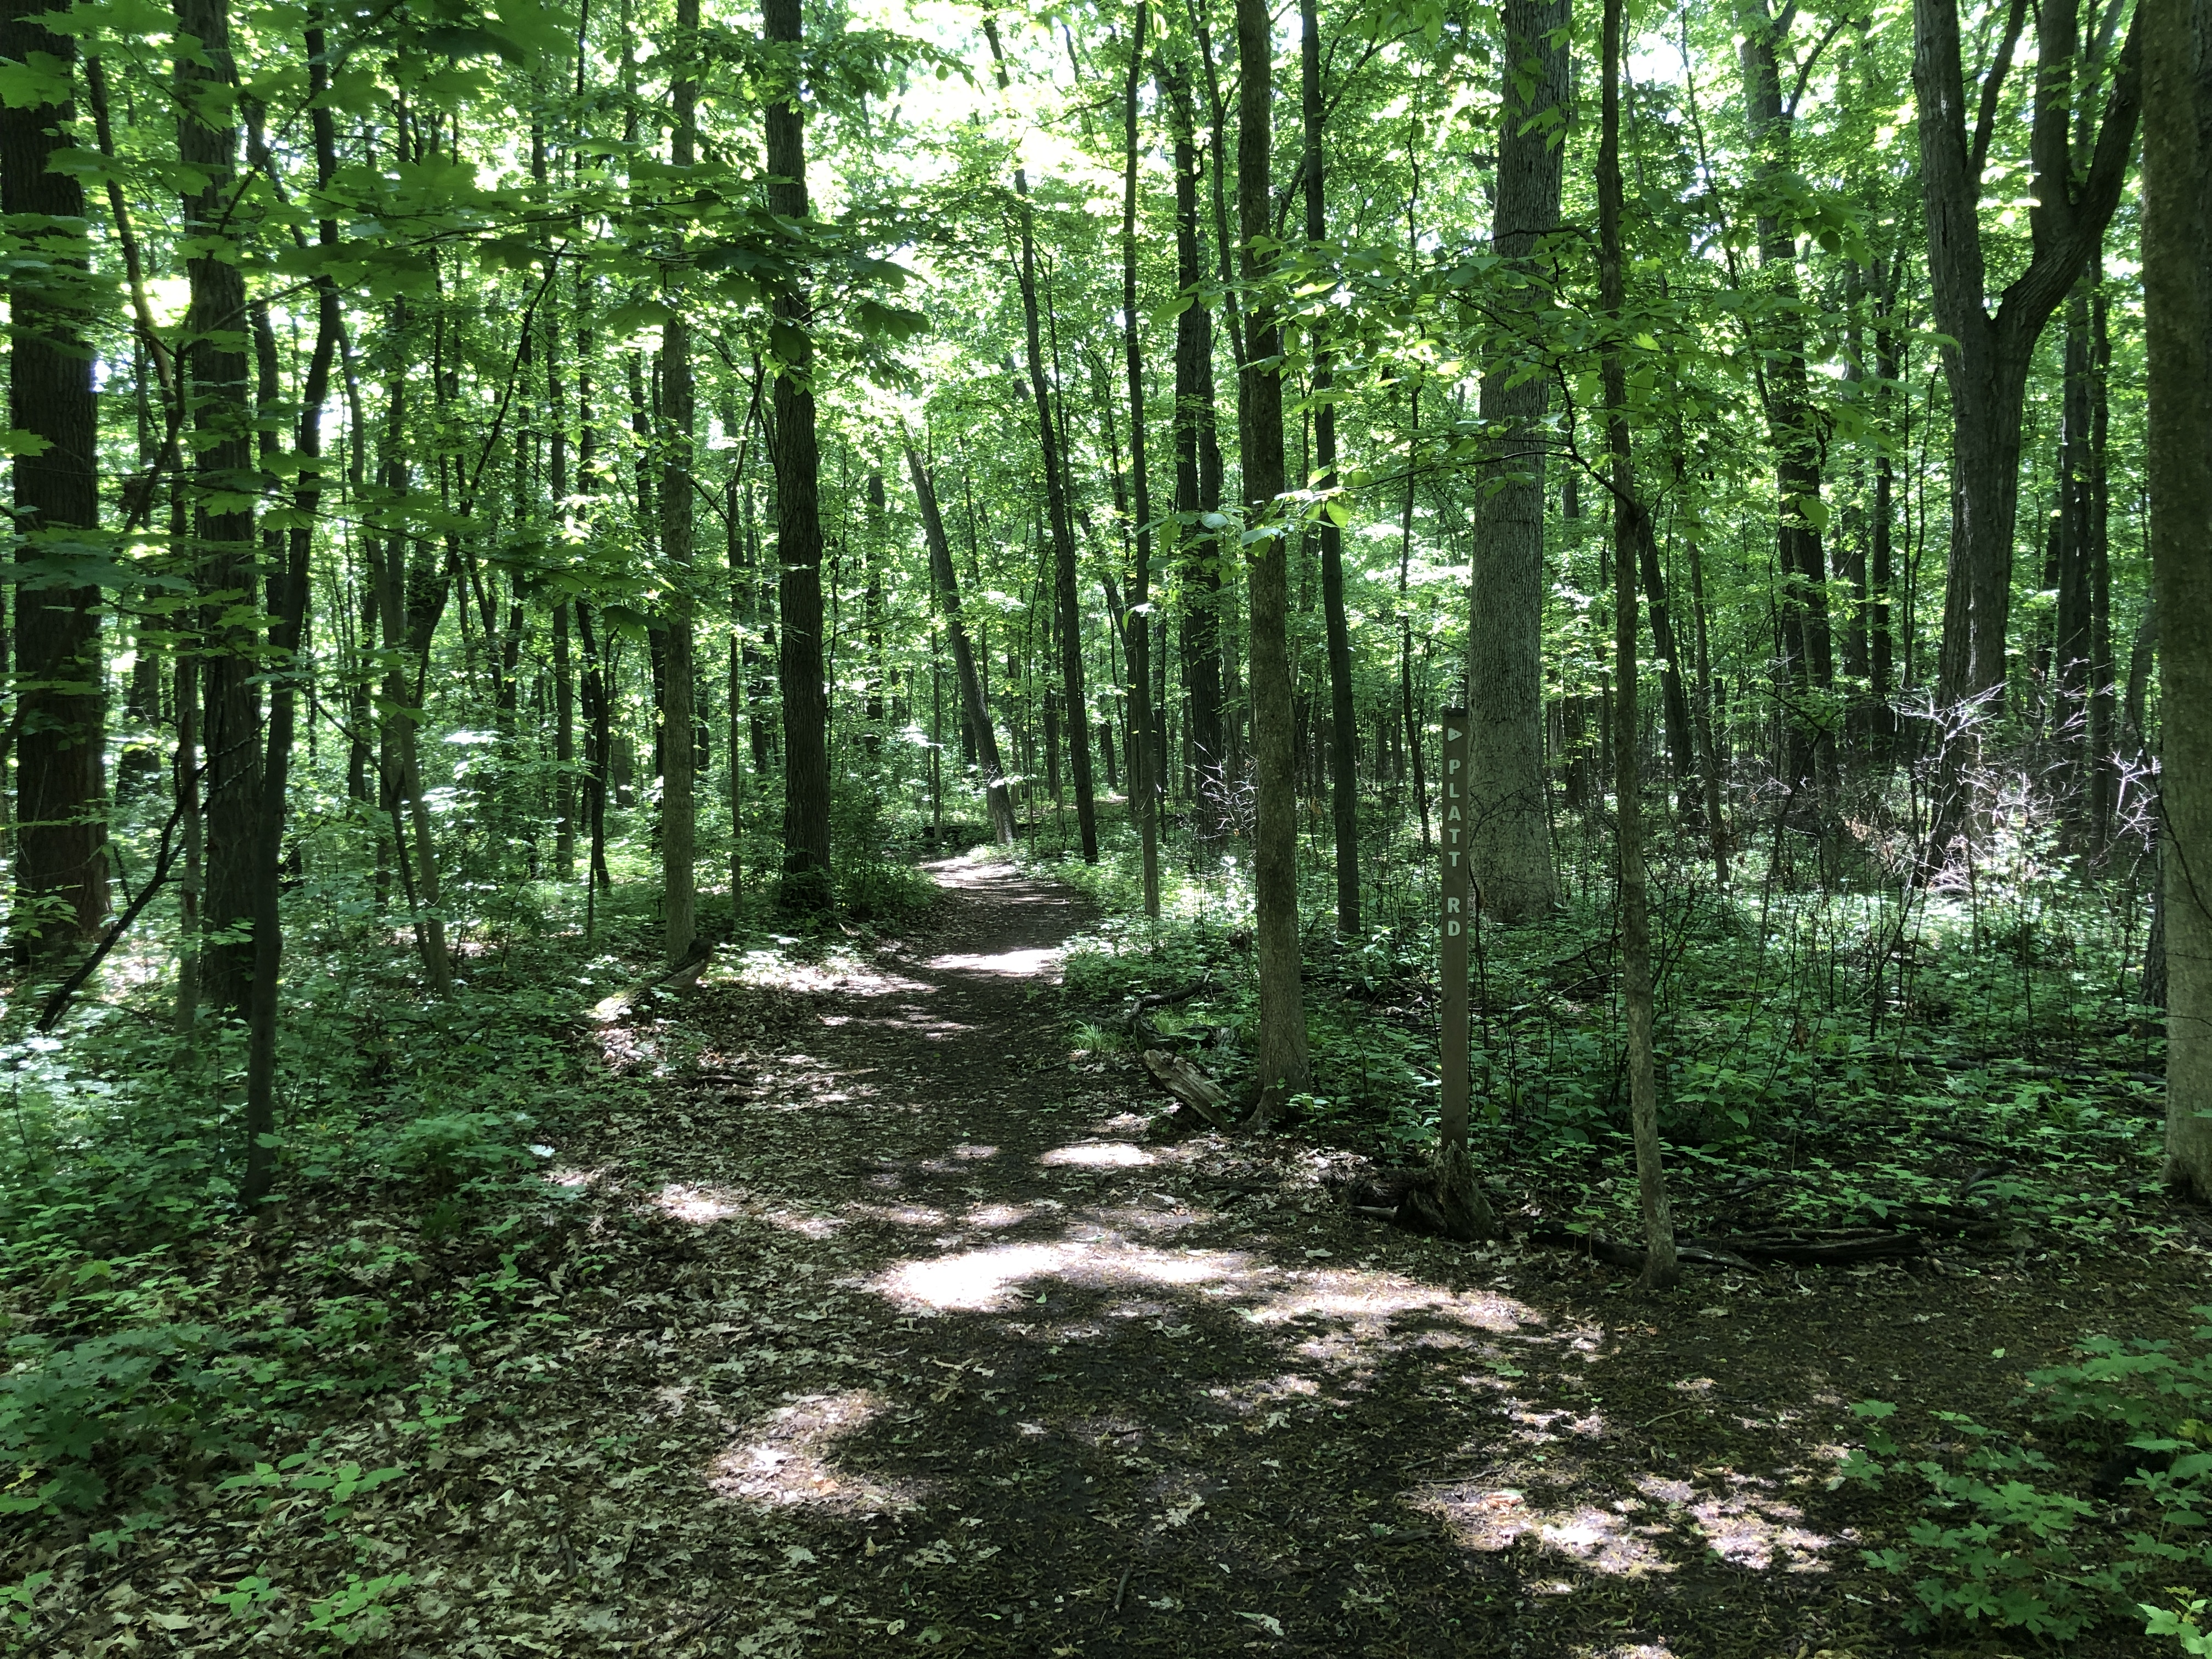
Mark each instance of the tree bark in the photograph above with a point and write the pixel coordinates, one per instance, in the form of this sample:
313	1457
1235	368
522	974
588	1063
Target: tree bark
1793	429
1137	631
61	842
1661	1270
798	522
1988	360
2177	273
1198	480
288	622
1343	747
226	481
1510	839
1282	1044
679	408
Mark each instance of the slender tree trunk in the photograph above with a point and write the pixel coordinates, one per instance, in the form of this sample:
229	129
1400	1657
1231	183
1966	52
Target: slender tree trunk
1067	594
1709	760
287	621
1282	1045
799	521
1510	854
1344	783
1661	1270
1793	430
2177	272
1137	631
1198	482
61	844
678	745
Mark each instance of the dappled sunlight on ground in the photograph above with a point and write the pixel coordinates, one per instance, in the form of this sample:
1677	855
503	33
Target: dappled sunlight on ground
981	1281
700	1206
785	1459
981	1299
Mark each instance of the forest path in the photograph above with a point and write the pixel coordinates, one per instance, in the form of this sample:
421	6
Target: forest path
924	1339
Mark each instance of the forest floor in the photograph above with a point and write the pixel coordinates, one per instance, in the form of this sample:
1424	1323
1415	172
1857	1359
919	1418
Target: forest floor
883	1321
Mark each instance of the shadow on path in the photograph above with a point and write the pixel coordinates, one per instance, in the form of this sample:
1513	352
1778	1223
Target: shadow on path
950	1352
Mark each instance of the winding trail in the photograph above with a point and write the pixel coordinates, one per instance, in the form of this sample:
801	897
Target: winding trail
926	1337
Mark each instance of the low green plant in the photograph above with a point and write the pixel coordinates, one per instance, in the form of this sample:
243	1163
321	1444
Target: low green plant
2001	1544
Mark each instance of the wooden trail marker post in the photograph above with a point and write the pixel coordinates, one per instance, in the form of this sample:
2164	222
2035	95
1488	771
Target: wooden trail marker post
1458	916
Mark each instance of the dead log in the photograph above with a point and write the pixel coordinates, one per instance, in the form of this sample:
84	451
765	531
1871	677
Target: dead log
1747	1251
682	977
1189	1085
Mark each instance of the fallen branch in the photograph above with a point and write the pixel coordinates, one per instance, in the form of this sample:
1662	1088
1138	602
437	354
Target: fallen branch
682	977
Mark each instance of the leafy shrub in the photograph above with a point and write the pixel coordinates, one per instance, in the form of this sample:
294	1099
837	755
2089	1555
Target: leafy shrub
879	889
126	1392
448	1149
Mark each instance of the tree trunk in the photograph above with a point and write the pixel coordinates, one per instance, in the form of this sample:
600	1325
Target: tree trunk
1198	482
1987	362
678	745
1344	794
799	520
1068	601
1511	846
287	620
2177	272
1137	631
1661	1270
973	707
61	846
1793	430
1282	1045
228	482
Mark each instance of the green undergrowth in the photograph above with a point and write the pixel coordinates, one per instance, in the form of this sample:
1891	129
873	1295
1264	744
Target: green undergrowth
1830	1060
2007	1538
157	1340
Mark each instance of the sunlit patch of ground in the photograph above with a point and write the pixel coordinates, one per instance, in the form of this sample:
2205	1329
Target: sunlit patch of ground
1752	1526
700	1205
1096	1155
786	1458
1033	963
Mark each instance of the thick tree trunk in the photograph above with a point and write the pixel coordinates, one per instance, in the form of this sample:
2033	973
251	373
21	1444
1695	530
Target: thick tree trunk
1989	356
60	850
1344	782
973	707
1661	1270
798	519
1282	1045
227	481
2177	272
1510	853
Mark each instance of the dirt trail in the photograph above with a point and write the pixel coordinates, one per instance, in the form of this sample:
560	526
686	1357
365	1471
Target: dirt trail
923	1341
